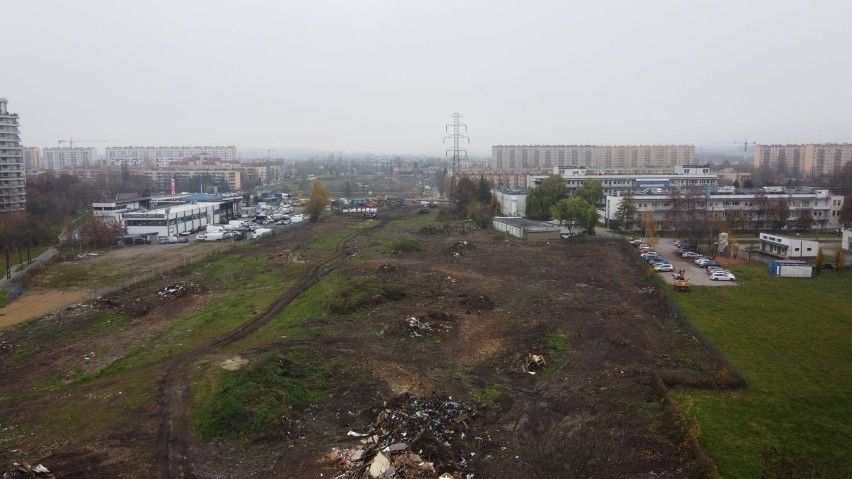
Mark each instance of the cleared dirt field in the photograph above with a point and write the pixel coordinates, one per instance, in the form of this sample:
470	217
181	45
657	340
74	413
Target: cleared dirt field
77	397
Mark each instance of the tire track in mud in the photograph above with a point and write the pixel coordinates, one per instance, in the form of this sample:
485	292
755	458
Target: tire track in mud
173	439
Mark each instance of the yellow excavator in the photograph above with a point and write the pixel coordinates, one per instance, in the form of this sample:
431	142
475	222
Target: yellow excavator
681	283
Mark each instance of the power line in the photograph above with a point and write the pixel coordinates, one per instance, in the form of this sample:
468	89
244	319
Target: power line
456	149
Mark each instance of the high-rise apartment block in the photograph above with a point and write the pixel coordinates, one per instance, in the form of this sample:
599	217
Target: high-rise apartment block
58	159
161	156
13	192
638	158
32	160
810	159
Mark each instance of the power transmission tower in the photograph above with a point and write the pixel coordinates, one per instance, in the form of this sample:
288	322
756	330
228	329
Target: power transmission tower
457	125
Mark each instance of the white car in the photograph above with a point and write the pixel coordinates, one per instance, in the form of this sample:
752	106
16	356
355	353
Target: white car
690	255
722	276
663	267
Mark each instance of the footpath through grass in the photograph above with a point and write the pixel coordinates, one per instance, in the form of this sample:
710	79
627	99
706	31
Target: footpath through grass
791	339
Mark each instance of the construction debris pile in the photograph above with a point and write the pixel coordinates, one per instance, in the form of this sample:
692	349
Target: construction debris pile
180	289
458	248
412	437
414	327
26	471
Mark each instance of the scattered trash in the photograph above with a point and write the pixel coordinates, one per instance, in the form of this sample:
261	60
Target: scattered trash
648	290
26	471
411	437
534	361
180	289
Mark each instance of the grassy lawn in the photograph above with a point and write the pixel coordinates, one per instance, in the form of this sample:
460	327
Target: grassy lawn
790	337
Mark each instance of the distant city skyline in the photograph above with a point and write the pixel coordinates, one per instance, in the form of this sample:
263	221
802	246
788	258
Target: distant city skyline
385	77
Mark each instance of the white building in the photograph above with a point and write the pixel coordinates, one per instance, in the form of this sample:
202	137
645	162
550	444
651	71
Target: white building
58	159
121	205
681	178
13	192
741	209
162	156
172	220
513	201
788	247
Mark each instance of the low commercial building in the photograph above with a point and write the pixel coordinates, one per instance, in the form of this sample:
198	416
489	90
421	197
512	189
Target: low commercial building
680	177
788	247
740	209
526	229
169	216
120	205
513	201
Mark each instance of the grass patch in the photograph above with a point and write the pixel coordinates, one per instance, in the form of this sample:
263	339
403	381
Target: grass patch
362	293
259	400
790	338
488	395
405	246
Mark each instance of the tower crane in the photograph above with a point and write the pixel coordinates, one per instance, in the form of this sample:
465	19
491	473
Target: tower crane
71	141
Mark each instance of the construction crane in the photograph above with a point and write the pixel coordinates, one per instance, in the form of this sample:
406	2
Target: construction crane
745	144
71	141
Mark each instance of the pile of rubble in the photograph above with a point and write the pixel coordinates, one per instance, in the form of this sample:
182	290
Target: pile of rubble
26	471
412	437
433	322
458	248
180	289
418	327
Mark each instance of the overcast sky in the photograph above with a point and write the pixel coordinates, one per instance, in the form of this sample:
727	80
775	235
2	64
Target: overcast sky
385	76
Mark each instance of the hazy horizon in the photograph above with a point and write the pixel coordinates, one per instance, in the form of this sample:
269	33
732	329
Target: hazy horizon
384	77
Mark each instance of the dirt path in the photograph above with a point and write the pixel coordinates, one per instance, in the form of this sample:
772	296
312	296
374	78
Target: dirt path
173	440
36	303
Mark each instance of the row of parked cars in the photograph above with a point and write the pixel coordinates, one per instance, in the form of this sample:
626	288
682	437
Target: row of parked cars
654	259
713	268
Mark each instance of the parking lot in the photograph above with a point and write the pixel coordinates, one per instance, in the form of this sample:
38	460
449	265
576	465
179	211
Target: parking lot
696	276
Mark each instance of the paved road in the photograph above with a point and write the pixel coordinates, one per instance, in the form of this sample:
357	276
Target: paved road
697	276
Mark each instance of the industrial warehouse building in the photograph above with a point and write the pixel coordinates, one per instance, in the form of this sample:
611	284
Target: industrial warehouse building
169	216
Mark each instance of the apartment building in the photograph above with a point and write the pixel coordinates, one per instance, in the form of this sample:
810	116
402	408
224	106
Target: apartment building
163	156
607	159
808	159
69	158
32	160
13	193
161	179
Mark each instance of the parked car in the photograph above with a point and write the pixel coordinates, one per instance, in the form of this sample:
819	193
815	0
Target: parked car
690	255
185	233
636	242
723	276
663	267
702	261
201	237
708	264
648	253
